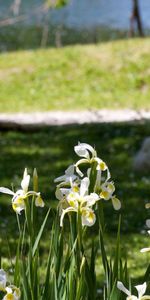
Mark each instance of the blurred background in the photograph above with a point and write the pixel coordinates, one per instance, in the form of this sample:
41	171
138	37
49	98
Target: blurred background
77	55
35	23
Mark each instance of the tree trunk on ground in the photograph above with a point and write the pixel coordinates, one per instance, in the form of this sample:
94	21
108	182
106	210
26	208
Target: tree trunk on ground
136	18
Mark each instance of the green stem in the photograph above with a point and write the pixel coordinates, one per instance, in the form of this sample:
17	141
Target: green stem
28	216
18	222
73	229
79	226
33	218
93	176
101	216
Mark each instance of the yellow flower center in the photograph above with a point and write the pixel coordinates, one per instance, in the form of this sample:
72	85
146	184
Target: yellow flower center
18	202
104	195
72	203
102	166
9	297
90	216
76	189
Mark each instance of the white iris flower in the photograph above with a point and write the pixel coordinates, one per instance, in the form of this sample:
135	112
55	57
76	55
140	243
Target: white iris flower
73	192
12	292
141	289
18	199
81	202
89	156
107	191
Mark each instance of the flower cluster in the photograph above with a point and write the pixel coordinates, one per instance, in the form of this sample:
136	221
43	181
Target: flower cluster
74	187
140	288
77	200
19	197
11	292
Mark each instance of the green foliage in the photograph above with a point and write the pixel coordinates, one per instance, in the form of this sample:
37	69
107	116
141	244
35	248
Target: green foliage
47	150
56	3
29	37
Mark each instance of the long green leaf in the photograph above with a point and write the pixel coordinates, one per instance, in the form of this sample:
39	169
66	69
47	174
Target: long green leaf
40	234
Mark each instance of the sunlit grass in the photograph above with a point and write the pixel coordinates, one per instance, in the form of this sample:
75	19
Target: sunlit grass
108	75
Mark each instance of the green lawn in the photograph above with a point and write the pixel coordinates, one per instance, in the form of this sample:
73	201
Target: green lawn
109	75
51	151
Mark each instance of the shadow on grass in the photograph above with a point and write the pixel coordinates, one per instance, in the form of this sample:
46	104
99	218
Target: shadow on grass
18	37
50	150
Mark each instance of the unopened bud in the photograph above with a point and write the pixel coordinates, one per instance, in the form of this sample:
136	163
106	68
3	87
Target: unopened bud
35	180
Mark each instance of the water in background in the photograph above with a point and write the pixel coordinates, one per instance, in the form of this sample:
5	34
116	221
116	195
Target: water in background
85	13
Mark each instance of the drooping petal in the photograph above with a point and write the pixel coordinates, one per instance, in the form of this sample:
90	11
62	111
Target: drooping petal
84	186
107	190
116	203
6	191
65	211
3	279
122	288
79	162
79	171
141	289
39	201
108	174
101	165
88	217
110	187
